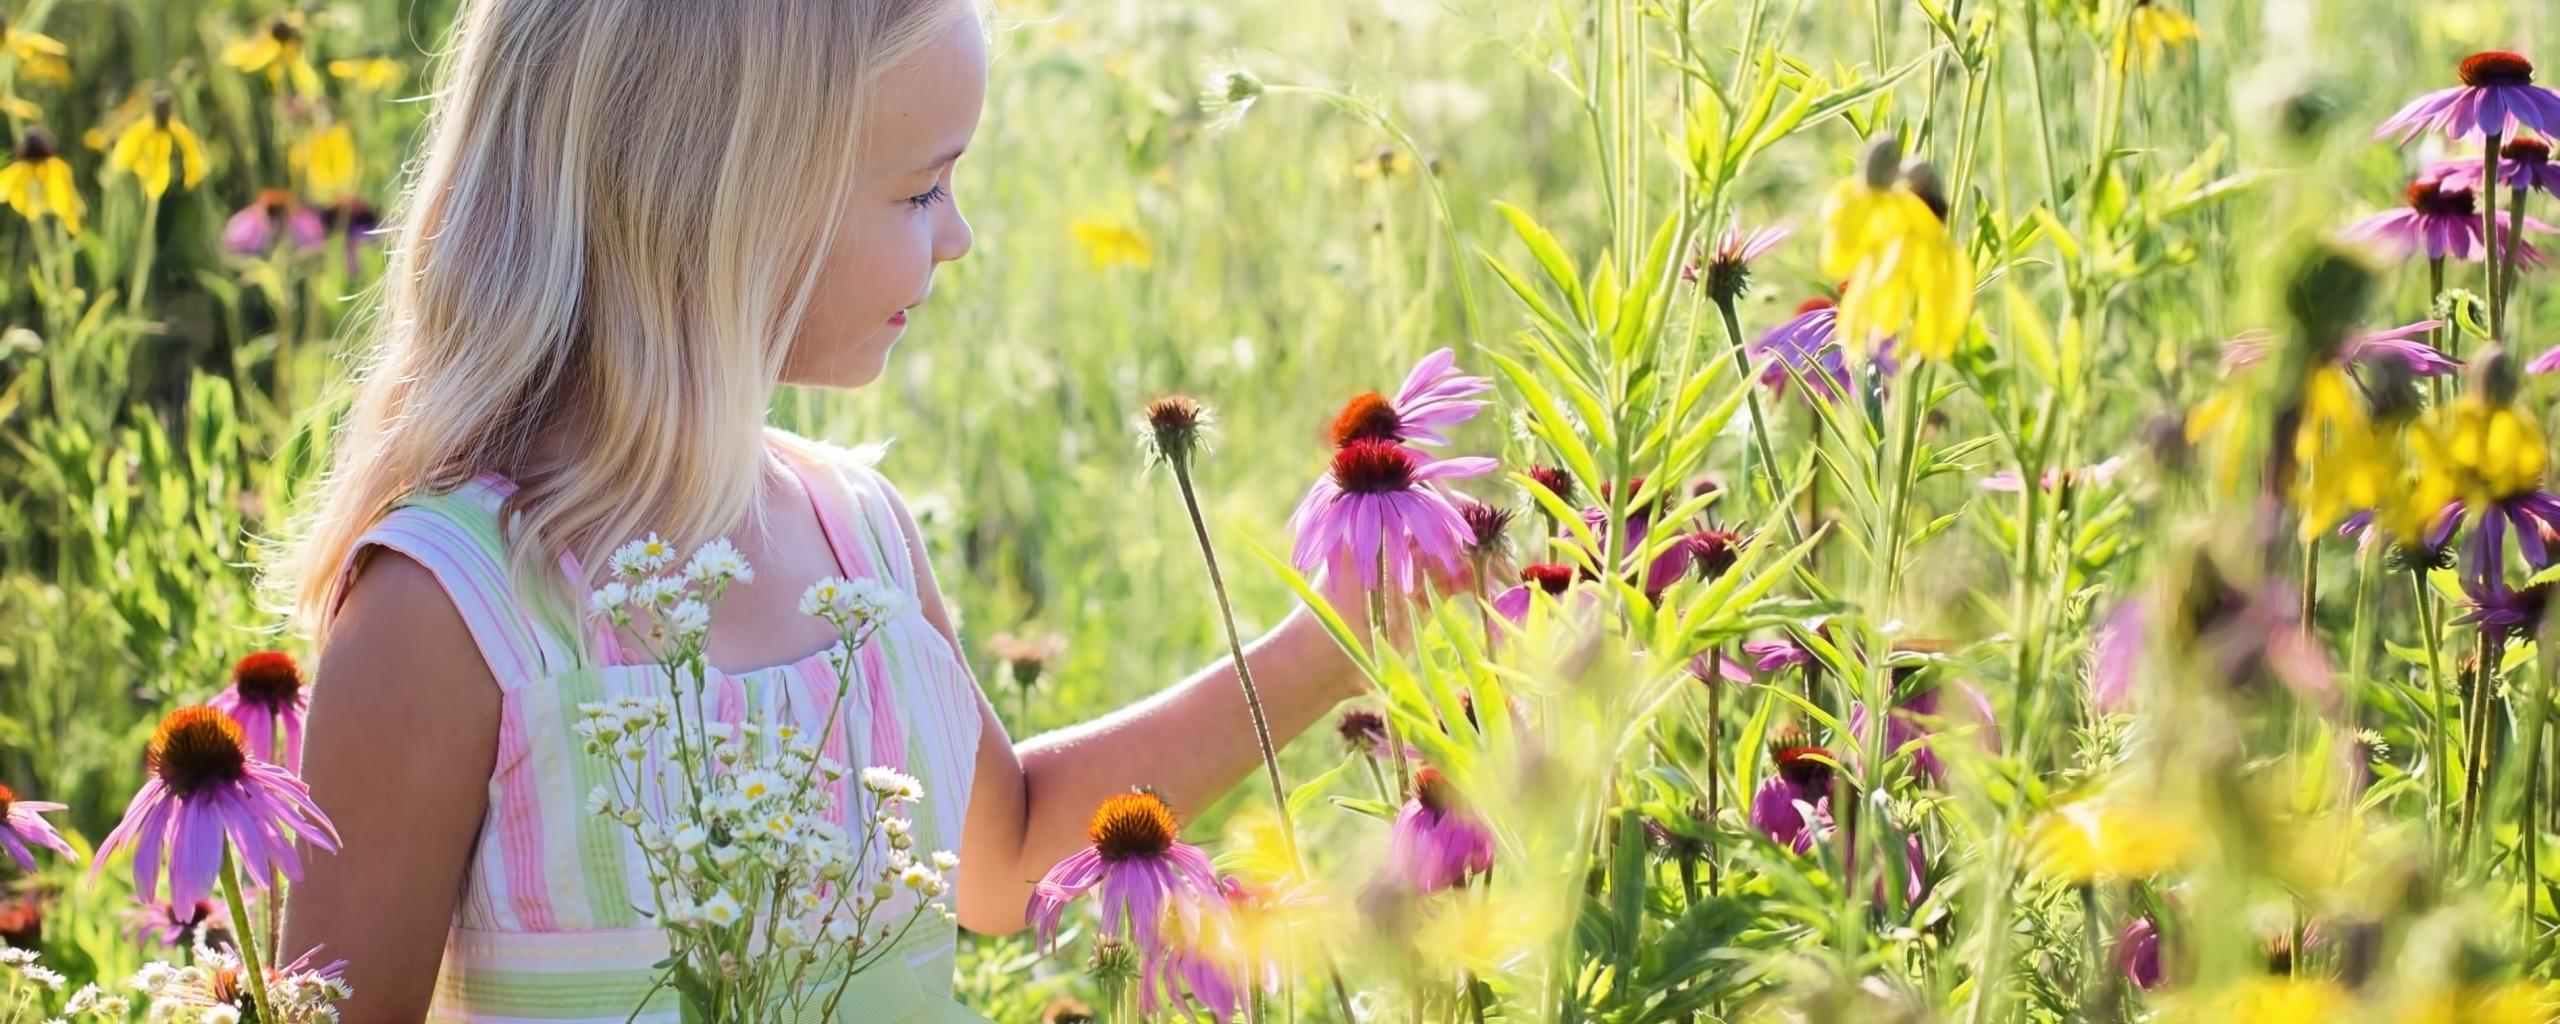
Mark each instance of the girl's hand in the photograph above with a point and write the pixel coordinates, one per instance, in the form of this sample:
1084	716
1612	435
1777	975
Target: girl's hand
1351	601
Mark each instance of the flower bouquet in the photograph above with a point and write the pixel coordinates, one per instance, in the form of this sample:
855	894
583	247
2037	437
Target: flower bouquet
773	892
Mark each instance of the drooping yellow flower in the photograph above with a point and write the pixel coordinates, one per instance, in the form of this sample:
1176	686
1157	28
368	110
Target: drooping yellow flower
2478	450
38	182
1110	244
326	159
106	130
1901	272
2270	1000
368	74
1384	163
2151	31
20	107
2342	464
278	52
40	56
146	150
2110	838
2517	1003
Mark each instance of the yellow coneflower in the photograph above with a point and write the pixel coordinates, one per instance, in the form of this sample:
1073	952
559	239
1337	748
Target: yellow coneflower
2343	463
2479	448
2151	31
326	159
147	148
1385	163
1110	244
20	107
1884	236
38	182
368	74
136	105
278	52
2271	1000
40	56
2110	839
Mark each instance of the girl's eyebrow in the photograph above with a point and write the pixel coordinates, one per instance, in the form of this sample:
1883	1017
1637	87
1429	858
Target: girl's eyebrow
939	162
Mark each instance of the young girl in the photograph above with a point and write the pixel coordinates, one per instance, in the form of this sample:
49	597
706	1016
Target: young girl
634	219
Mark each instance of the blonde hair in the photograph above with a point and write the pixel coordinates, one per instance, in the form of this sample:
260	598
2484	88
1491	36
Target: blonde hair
614	230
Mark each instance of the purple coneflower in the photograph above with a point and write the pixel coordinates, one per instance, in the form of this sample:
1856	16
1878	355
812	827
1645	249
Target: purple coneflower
2441	221
1776	655
1436	844
178	926
2118	651
1555	480
2494	606
1369	504
1728	265
1211	967
1141	871
1784	808
252	231
2497	94
2522	164
1912	723
2101	474
2406	343
266	696
205	793
1435	397
1548	579
1807	348
2138	952
22	826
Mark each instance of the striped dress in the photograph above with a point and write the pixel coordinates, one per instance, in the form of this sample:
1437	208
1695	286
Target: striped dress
550	926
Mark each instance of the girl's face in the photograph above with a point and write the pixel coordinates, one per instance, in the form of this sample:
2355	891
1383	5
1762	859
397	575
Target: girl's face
900	220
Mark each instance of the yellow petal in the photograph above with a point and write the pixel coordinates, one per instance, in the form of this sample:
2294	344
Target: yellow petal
252	53
128	148
61	195
190	153
17	185
151	167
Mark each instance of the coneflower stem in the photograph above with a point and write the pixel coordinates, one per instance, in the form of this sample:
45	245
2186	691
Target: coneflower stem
2435	708
1759	426
1244	672
2475	727
2515	243
245	928
2489	230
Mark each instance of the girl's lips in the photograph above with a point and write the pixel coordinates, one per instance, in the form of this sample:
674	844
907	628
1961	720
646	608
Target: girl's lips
898	319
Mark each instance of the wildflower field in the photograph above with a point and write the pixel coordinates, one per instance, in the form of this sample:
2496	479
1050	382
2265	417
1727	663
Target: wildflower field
1906	510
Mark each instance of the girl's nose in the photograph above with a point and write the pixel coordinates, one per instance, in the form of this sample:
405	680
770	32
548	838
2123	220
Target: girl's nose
952	236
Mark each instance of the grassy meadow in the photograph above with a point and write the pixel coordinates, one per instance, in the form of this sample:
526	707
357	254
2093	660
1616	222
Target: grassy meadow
2285	761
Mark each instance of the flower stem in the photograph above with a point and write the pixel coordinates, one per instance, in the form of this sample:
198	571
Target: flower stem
2489	230
2435	708
1378	650
1769	478
1244	672
142	252
2515	244
244	929
2476	726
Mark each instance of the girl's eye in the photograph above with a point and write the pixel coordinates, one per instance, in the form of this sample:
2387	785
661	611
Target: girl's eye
931	196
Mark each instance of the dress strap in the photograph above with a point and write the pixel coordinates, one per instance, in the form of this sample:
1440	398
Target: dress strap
456	535
854	507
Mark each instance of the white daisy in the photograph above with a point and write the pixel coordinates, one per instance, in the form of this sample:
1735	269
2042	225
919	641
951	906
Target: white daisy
719	562
722	909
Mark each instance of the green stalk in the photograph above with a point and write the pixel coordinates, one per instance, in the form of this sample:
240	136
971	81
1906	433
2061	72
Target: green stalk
245	929
1235	650
2515	242
2489	228
142	253
1759	422
2435	710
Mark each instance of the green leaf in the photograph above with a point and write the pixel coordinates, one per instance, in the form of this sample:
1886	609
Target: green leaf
1550	257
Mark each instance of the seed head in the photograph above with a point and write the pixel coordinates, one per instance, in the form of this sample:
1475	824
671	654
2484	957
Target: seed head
1173	428
2496	67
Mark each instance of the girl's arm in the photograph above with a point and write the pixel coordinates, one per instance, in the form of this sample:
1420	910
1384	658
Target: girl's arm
1191	743
403	737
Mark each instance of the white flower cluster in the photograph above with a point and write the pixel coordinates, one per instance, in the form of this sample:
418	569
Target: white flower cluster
851	603
208	991
756	884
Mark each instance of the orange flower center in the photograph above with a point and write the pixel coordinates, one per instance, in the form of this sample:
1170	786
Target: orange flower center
268	679
1368	417
1433	790
2432	198
1556	481
2527	151
2496	67
1814	303
8	798
196	746
1553	579
1373	466
1132	825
